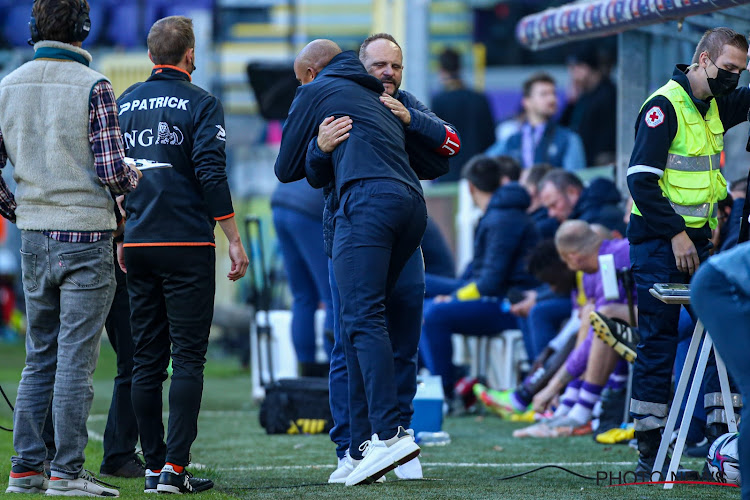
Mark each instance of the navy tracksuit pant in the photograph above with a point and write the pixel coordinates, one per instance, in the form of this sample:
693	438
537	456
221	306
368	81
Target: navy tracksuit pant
378	227
653	262
306	266
121	432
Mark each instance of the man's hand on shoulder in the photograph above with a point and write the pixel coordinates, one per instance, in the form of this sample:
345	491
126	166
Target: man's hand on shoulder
332	132
396	108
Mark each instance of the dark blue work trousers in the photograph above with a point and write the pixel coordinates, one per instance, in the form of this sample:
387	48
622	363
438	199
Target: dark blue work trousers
724	308
653	262
301	243
378	227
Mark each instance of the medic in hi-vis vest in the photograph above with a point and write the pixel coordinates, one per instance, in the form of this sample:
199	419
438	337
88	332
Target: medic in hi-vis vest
676	181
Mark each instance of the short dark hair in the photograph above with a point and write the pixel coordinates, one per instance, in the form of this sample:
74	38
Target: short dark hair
536	78
561	179
537	172
372	38
56	19
169	38
509	167
545	264
450	61
483	172
714	40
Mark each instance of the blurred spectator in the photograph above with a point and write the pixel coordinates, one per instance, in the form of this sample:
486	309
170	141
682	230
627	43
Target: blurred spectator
731	227
540	139
593	112
297	205
504	236
530	177
566	198
468	110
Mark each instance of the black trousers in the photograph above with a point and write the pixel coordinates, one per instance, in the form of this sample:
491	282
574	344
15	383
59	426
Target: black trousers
172	302
121	432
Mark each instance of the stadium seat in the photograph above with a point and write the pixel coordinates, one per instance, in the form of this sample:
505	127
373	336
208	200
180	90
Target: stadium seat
124	30
16	25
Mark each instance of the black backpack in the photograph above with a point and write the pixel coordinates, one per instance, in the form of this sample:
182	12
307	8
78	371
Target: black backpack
296	406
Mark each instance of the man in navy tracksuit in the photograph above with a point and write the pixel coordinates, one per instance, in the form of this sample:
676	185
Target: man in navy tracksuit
169	246
426	134
379	225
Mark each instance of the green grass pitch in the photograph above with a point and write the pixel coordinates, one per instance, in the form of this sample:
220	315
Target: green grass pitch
246	463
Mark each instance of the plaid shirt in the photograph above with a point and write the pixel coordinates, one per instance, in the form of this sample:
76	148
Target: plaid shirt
106	143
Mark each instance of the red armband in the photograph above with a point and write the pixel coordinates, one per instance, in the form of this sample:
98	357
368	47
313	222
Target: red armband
451	145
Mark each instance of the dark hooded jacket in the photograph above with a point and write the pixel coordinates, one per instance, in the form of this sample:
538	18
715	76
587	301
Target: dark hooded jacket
504	237
600	204
376	145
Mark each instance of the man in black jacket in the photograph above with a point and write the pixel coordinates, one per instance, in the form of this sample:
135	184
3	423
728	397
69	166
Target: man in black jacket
169	247
378	226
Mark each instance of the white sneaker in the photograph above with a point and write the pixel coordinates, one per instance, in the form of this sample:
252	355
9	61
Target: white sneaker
346	466
383	456
85	485
410	470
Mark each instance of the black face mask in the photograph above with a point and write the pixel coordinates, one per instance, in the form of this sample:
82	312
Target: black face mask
724	83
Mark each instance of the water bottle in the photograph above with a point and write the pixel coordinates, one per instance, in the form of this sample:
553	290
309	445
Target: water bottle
433	438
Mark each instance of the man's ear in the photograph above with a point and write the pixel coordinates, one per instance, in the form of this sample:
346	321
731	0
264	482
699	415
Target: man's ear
312	73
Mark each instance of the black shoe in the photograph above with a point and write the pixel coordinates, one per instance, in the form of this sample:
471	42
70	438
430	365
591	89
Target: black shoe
132	468
172	482
698	450
613	409
616	333
646	465
152	481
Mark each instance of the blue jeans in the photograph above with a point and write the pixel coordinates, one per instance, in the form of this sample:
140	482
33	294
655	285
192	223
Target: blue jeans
472	317
544	323
378	227
724	308
306	264
69	289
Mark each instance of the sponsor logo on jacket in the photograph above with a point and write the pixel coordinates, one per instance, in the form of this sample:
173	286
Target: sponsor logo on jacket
165	134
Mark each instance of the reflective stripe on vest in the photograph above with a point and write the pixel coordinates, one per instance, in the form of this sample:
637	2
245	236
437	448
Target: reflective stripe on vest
693	163
701	210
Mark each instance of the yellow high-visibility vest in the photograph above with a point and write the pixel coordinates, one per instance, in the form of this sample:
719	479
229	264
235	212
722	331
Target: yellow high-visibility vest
692	180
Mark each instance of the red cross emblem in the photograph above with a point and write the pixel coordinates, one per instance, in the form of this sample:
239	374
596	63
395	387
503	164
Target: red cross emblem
654	117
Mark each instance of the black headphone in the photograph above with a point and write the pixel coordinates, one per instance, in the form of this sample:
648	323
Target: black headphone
79	32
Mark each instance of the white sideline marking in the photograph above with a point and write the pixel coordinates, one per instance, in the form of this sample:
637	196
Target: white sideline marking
424	464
